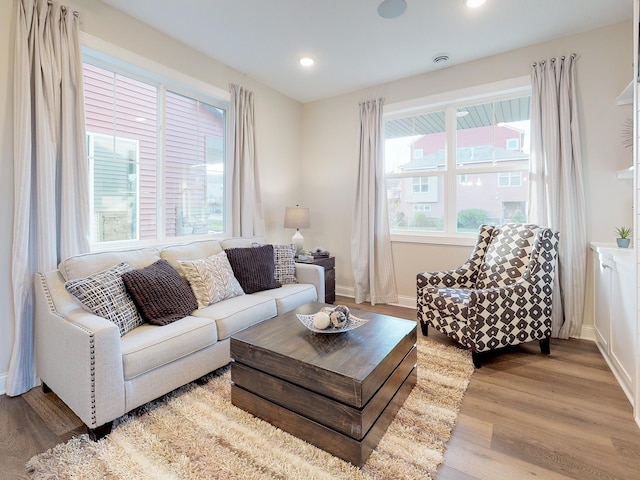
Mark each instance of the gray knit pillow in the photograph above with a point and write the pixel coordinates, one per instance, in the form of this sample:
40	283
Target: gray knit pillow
104	294
285	265
254	267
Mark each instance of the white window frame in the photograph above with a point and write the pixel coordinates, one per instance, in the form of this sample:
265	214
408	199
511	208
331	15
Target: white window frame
111	57
450	102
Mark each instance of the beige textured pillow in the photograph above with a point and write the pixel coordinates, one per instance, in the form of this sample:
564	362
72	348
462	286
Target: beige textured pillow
211	279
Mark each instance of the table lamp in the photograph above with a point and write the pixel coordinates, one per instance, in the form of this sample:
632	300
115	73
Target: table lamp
297	217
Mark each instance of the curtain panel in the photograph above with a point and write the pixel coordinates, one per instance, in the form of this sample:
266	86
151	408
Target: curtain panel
371	256
556	190
51	189
246	206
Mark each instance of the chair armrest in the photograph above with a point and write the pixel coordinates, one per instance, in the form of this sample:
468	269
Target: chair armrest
313	274
78	354
505	300
457	278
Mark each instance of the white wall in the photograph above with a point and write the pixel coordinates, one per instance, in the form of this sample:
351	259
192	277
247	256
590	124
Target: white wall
604	68
278	119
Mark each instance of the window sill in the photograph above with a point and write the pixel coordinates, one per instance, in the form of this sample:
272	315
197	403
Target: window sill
435	239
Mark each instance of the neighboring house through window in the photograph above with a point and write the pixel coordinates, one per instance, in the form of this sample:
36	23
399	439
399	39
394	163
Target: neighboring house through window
157	154
472	144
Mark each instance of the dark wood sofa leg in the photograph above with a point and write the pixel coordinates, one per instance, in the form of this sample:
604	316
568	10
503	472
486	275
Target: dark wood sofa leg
477	362
424	327
545	345
45	388
102	431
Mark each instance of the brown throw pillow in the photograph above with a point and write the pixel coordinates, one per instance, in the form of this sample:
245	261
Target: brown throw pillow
160	293
254	267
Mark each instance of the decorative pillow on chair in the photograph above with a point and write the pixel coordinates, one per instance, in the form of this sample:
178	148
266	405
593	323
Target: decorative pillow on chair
160	293
254	267
285	265
211	279
104	294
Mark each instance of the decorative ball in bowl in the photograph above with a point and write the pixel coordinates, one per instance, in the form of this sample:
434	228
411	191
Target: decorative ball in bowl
331	320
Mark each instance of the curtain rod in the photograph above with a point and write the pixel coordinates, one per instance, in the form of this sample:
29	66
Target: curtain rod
573	55
63	8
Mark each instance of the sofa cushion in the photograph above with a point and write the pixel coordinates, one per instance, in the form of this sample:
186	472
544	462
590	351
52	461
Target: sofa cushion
189	251
237	313
80	266
104	294
149	346
254	267
285	265
290	297
160	293
211	279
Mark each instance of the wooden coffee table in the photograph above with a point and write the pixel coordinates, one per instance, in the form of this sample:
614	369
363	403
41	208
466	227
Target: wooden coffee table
339	391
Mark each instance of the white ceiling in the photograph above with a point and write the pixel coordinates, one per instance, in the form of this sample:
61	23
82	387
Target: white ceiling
355	48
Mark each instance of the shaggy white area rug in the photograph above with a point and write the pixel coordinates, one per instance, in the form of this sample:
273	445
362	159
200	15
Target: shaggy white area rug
196	433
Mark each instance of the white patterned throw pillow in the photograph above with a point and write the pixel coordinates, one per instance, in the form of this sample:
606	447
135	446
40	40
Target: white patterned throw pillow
211	279
104	294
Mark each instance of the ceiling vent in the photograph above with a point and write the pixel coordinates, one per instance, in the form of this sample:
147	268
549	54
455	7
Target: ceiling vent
441	59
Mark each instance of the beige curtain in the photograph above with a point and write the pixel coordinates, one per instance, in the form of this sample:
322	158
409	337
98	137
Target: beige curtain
246	206
556	190
371	257
51	196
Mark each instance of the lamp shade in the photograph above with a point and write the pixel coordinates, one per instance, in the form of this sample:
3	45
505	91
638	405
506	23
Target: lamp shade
297	217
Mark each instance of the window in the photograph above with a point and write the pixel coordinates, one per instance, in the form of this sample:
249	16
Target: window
470	151
421	185
421	207
510	179
157	155
513	143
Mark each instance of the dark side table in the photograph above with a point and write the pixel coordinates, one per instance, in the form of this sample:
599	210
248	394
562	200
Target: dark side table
329	264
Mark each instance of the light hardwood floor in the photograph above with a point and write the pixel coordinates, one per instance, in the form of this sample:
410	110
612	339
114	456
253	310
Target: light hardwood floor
524	416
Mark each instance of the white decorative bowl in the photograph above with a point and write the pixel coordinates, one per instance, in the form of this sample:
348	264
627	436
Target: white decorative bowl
351	324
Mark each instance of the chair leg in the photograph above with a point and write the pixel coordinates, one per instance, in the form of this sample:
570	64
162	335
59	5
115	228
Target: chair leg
424	327
477	362
545	345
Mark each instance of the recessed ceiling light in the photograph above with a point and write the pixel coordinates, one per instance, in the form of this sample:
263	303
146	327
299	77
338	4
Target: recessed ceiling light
462	113
306	61
141	119
475	3
392	8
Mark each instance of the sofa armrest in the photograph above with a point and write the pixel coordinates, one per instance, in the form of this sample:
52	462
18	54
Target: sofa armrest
78	354
313	274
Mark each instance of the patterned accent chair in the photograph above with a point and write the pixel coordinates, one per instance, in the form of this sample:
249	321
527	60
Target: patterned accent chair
501	296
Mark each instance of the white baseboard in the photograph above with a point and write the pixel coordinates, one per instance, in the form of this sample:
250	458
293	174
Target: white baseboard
403	301
587	332
3	383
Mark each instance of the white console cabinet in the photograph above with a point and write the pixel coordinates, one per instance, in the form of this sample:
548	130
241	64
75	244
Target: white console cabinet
615	321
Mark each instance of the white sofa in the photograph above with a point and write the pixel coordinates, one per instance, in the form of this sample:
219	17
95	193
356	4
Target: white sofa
101	375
